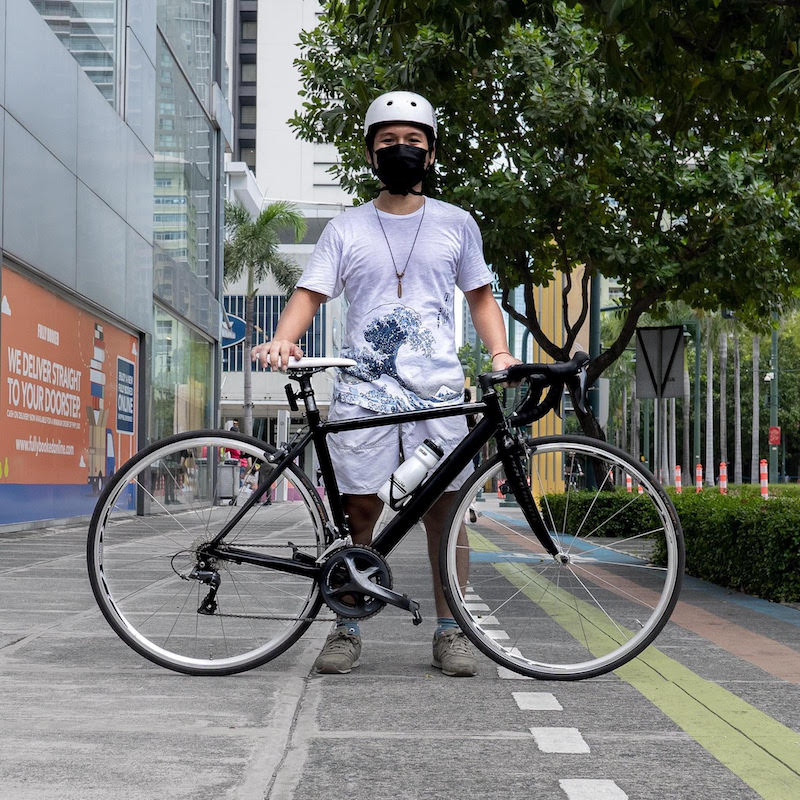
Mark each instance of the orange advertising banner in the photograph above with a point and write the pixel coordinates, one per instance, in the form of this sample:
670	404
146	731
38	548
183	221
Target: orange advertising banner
68	413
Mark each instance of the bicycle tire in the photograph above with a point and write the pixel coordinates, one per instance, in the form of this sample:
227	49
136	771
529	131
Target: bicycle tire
151	517
550	620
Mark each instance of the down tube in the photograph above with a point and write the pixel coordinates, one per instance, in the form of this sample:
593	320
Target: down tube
434	486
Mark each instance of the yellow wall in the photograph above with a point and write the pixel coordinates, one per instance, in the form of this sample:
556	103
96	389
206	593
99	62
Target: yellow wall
551	319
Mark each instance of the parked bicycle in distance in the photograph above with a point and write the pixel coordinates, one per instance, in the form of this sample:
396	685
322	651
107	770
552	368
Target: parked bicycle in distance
581	579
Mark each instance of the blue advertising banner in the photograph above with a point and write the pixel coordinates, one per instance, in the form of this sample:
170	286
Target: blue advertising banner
126	390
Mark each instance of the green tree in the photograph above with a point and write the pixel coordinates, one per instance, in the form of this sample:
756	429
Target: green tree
251	249
569	168
466	355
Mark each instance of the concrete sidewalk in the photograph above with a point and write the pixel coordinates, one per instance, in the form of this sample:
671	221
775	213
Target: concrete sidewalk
86	717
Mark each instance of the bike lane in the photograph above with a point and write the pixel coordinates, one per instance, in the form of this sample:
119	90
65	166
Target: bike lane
758	748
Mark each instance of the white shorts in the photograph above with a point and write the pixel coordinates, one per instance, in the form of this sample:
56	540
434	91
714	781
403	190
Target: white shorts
365	458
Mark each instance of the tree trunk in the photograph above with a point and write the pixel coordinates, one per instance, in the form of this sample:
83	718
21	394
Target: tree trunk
247	368
755	456
588	422
737	411
624	426
687	421
709	467
723	396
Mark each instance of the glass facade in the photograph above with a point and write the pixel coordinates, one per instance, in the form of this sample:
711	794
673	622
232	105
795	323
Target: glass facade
183	374
186	25
183	176
92	31
186	193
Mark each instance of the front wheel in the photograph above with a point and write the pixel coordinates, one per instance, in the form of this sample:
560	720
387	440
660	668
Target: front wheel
160	593
606	594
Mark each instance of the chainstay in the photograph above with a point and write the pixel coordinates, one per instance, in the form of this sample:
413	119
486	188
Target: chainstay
285	618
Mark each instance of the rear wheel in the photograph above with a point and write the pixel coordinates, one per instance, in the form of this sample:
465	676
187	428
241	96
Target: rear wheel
607	593
159	592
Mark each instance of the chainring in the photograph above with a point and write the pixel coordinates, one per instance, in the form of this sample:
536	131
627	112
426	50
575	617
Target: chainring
335	577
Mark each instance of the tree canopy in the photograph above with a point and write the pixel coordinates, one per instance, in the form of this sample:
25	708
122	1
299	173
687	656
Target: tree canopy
653	143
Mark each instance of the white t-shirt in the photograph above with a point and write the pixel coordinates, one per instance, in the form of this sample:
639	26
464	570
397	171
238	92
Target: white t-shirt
404	347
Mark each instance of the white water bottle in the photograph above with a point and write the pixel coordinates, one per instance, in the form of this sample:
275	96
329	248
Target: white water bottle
397	489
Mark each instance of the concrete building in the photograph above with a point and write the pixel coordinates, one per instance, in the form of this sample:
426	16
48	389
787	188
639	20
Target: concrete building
113	125
270	163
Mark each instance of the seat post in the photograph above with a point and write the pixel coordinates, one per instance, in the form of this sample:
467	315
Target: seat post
307	394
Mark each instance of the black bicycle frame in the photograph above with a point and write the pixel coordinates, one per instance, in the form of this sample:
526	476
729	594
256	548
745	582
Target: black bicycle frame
492	424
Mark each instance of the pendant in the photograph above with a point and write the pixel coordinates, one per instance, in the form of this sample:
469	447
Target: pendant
399	287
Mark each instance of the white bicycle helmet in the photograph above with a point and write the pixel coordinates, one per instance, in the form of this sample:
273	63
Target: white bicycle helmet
400	107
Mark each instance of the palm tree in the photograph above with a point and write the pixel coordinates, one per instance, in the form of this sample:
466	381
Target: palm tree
251	249
755	476
723	392
737	409
710	473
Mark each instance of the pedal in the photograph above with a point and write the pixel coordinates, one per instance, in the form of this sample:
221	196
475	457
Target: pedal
413	607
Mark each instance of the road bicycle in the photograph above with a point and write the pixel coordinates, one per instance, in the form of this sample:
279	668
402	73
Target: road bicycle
565	581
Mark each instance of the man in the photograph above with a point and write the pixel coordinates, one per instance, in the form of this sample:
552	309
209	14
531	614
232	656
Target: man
398	260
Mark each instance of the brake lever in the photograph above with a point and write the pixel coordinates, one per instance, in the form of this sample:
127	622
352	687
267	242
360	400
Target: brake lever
580	379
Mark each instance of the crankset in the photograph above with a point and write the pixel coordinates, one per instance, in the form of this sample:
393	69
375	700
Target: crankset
356	583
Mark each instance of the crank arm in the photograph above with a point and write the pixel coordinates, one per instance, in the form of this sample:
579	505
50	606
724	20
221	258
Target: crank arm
360	583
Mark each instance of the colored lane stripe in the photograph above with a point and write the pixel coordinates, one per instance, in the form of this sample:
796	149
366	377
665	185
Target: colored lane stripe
559	740
758	604
775	610
587	789
764	753
773	657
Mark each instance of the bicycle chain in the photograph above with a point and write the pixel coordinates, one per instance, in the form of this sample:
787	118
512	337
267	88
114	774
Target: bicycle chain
285	619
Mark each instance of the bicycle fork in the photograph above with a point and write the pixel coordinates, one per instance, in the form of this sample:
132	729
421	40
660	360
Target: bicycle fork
512	452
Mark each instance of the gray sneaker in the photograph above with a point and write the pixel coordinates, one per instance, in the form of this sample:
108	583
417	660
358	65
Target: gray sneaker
452	654
339	654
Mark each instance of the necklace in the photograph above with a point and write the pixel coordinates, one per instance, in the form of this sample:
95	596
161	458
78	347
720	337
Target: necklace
391	254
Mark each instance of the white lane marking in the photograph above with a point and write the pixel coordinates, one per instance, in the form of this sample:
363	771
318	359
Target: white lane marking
510	675
476	606
497	635
537	701
559	740
488	620
588	789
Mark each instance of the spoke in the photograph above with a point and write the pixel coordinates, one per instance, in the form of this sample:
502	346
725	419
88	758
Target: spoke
597	603
616	589
519	591
601	546
543	492
178	616
594	499
618	511
241	602
533	541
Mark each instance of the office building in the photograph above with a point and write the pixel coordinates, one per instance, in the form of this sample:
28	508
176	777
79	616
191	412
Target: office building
113	126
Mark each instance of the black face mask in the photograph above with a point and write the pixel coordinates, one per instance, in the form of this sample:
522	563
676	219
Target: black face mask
401	167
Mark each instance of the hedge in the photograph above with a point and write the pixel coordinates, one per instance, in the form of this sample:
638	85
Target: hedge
743	542
738	541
